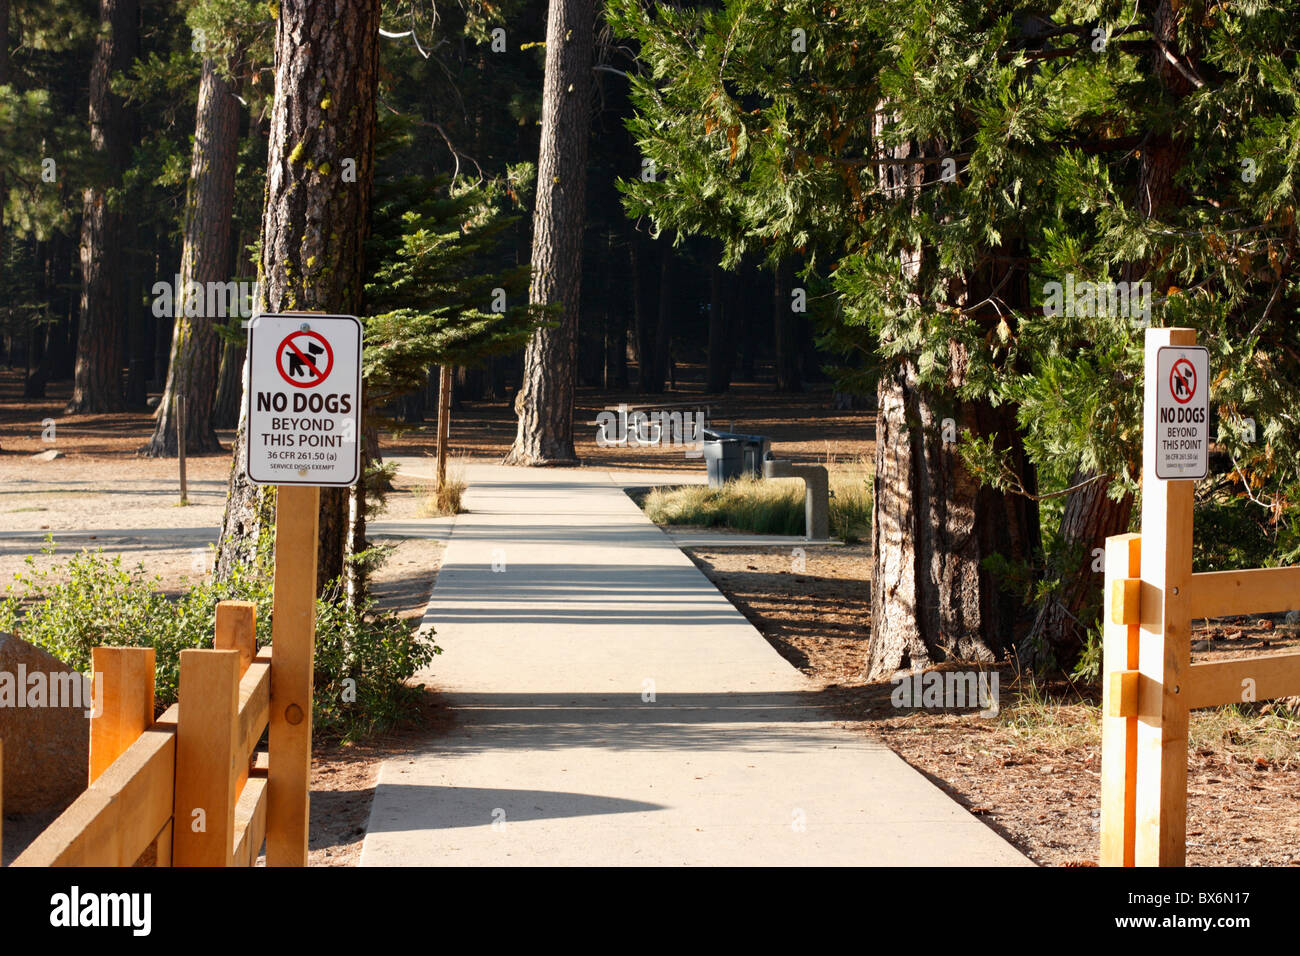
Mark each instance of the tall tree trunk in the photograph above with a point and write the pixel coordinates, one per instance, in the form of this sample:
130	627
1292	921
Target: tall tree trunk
1059	627
318	183
545	400
933	526
205	258
4	193
664	320
38	355
62	348
38	363
643	321
225	404
1091	515
4	46
615	377
784	333
615	324
139	327
230	384
97	384
718	374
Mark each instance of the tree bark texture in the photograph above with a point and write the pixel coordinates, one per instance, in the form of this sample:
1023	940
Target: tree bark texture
97	382
545	403
317	209
192	371
933	524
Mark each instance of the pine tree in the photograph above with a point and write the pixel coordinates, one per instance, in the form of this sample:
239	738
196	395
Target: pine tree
773	130
945	162
230	40
98	386
545	400
441	291
44	50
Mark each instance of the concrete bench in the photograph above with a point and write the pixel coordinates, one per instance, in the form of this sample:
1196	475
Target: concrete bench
816	497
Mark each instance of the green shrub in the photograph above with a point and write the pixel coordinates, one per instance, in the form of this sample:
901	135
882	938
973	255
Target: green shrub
89	600
1232	533
363	657
363	660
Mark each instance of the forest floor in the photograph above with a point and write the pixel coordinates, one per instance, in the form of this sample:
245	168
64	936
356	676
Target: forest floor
1032	773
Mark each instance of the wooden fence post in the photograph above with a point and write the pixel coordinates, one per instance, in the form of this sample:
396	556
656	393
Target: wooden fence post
203	821
293	640
1164	654
1118	703
124	702
236	630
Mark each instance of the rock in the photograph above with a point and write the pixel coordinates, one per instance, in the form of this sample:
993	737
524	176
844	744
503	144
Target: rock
47	740
49	455
1293	619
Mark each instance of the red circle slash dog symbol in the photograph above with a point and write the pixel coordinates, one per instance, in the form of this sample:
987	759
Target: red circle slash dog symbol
298	359
1182	381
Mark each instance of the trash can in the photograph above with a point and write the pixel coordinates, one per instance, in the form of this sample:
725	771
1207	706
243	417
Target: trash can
728	455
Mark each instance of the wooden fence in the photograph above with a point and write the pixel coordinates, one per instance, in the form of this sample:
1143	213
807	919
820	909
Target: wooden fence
1149	682
191	788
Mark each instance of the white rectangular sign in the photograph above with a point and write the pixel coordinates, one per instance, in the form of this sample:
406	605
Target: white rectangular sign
1182	412
304	399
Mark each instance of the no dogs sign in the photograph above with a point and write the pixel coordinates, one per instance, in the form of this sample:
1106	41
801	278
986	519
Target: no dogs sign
304	399
1182	412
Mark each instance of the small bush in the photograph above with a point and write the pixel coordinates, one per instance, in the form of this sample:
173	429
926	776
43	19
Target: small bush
363	661
767	506
745	504
444	500
363	657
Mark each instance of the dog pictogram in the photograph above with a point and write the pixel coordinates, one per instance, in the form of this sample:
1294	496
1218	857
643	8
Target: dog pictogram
304	359
1182	381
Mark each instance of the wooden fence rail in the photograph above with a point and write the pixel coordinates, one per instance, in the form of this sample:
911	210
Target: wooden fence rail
189	789
1149	683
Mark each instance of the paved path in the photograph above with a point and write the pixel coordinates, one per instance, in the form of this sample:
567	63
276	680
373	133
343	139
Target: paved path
560	756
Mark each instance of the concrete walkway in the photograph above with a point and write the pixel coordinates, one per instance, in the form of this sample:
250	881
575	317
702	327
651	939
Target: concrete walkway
613	708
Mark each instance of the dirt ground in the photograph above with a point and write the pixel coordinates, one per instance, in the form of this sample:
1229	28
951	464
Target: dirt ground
482	429
343	778
1033	772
